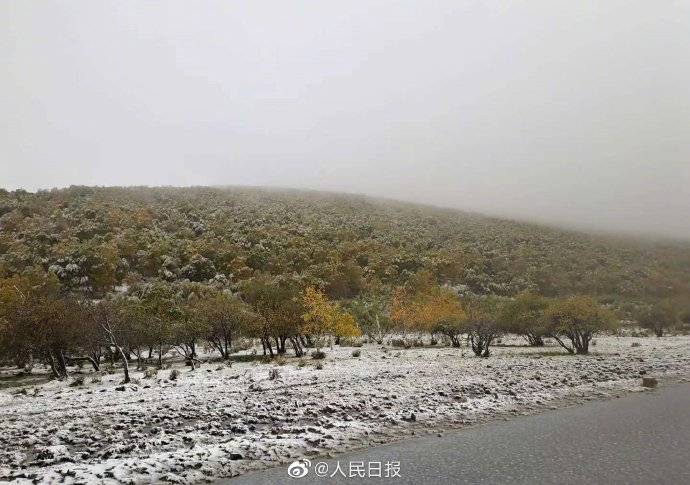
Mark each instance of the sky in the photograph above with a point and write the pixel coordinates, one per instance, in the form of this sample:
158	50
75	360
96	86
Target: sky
563	112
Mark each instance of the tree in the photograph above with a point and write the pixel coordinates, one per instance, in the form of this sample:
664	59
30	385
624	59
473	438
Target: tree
371	313
188	326
659	316
114	318
424	306
278	303
225	317
39	320
482	324
577	319
525	316
160	307
323	317
199	269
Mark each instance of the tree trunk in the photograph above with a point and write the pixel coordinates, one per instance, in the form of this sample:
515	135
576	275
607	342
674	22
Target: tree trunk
228	346
303	341
51	362
62	364
295	345
91	360
562	344
125	363
535	340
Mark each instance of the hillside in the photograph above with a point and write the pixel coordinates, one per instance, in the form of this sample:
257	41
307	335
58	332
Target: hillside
95	239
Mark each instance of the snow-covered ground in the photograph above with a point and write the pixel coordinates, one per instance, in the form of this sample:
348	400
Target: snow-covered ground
219	421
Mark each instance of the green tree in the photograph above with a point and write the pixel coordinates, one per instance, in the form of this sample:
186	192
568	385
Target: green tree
525	316
278	303
482	323
576	320
372	314
659	316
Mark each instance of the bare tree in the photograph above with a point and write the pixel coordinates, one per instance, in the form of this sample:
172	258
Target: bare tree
111	318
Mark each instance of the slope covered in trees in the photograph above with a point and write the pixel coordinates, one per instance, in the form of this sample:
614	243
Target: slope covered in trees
125	274
95	239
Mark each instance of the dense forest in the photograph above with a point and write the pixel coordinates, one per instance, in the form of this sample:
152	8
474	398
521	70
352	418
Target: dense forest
210	263
95	239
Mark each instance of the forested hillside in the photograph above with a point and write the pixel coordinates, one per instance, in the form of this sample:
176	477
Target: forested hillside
95	239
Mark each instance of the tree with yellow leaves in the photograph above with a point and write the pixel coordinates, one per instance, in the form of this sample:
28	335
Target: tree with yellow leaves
324	317
428	308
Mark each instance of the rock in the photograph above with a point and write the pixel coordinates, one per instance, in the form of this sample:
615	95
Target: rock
120	388
53	454
649	382
236	456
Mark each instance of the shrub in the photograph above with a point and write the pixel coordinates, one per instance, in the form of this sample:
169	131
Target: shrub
77	381
150	372
635	344
319	366
174	374
96	378
273	374
318	355
356	353
280	360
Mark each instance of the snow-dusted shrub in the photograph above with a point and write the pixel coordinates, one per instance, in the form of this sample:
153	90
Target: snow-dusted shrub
150	372
398	342
174	374
273	374
319	366
77	381
318	355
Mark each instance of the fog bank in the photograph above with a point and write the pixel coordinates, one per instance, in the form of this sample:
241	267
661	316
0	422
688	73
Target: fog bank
574	113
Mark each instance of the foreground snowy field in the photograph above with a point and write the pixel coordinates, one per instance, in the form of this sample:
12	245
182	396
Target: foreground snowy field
219	421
